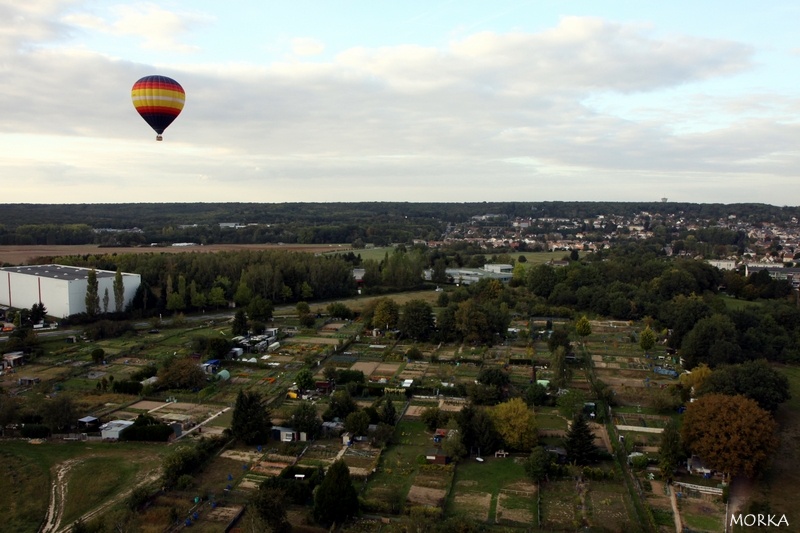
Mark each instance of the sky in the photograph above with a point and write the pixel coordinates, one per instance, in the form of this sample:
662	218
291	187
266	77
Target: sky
418	101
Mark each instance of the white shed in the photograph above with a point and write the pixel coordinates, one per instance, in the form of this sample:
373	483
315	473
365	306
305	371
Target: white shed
111	430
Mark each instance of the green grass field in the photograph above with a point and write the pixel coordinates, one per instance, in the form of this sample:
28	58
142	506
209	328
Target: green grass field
101	471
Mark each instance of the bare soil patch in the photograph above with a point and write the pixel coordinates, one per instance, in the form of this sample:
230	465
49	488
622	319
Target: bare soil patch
520	516
387	369
415	411
365	366
475	504
427	496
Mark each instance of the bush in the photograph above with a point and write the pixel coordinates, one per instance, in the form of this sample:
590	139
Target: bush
35	431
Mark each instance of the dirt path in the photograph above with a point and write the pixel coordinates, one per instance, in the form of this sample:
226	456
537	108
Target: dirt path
676	513
58	494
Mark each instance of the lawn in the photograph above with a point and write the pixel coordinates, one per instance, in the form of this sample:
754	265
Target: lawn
481	484
101	471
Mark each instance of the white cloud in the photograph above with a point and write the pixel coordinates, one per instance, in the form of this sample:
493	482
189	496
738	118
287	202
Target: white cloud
305	46
517	111
156	27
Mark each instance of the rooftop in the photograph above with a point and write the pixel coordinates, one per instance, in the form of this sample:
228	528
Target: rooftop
57	271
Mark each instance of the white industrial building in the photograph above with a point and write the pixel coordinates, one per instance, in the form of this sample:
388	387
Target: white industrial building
62	289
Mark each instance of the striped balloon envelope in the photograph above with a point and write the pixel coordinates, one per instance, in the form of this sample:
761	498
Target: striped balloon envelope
159	100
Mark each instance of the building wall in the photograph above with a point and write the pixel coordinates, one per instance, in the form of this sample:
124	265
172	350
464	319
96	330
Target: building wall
61	297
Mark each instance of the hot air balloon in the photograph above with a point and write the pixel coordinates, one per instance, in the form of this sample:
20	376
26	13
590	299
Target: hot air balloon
159	100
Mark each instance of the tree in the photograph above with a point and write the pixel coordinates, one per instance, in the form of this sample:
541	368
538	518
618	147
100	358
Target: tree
388	412
106	300
416	320
304	380
251	421
197	298
696	378
92	294
260	309
335	500
647	339
341	404
571	403
239	326
183	373
356	423
516	424
535	395
38	313
670	451
579	441
711	342
386	314
756	380
558	338
270	503
538	464
732	434
583	328
305	420
119	291
477	430
493	376
59	413
434	418
562	374
216	297
339	310
302	308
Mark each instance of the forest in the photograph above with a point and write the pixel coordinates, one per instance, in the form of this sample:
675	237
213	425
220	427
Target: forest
315	223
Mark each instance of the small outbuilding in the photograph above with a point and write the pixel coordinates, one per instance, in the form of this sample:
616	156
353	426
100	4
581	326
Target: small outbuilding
88	423
111	430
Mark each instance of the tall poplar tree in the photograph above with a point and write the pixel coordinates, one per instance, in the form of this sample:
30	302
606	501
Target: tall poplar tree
119	292
92	294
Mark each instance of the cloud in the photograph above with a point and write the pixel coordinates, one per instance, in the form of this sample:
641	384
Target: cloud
305	46
491	114
156	27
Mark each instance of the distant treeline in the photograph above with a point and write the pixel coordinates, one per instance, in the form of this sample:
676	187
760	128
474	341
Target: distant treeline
314	223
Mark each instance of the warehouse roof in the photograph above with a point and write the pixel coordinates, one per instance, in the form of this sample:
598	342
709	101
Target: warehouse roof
57	271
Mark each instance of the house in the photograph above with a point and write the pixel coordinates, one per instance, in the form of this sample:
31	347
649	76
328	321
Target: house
28	381
284	434
111	430
437	456
13	359
324	387
696	466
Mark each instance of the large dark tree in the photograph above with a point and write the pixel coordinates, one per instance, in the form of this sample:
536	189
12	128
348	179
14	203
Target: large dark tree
579	442
335	500
239	326
304	418
538	464
251	421
270	504
416	320
756	380
670	451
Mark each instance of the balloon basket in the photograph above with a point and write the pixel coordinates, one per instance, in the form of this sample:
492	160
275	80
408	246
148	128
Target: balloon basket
159	138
